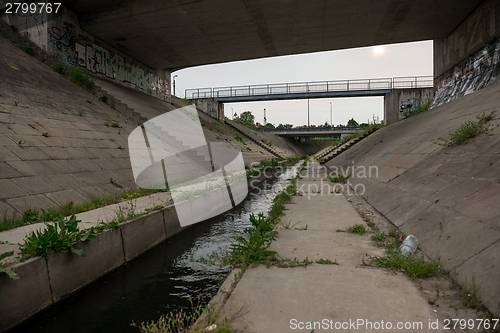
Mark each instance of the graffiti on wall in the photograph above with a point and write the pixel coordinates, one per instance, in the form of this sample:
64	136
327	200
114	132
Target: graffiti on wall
30	25
79	50
409	106
476	73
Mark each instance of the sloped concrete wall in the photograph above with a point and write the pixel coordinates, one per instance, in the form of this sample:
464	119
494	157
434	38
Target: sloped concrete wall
446	196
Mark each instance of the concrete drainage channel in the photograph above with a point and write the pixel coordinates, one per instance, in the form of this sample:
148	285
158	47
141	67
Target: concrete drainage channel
157	282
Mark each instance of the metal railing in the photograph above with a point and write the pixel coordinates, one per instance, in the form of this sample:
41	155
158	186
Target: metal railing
312	129
312	87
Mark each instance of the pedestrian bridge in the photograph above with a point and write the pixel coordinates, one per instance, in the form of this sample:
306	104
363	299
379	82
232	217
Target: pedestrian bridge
313	131
396	91
305	90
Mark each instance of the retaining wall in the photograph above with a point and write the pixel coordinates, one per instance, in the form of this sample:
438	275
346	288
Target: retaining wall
43	282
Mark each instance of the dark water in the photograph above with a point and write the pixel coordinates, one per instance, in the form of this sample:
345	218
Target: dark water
160	281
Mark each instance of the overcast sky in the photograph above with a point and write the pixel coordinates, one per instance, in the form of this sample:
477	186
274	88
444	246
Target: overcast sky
408	59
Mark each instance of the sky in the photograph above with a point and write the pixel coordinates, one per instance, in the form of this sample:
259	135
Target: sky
383	61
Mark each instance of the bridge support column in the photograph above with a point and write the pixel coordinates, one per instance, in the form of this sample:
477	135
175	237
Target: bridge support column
211	107
399	97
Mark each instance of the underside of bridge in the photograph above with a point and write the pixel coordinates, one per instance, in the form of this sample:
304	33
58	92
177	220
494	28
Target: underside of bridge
176	34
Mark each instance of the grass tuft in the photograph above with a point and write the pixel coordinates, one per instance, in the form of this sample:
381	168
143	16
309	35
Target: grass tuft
58	69
359	229
80	78
468	131
29	50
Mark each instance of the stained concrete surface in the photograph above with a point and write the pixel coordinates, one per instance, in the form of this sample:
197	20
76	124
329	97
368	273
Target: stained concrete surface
270	299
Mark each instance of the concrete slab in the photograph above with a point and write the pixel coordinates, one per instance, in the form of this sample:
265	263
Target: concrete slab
482	204
482	267
30	168
6	171
142	234
69	273
37	184
9	189
65	196
172	225
401	214
336	214
26	296
275	299
22	204
346	249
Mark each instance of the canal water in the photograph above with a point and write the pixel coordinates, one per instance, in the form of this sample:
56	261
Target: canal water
162	280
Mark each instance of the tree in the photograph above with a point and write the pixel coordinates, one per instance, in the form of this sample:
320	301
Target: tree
246	119
284	126
352	123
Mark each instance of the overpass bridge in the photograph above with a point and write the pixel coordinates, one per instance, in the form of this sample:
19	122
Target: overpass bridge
305	90
313	131
395	91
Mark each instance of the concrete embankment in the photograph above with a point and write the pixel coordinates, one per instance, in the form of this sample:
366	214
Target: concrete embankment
60	143
446	196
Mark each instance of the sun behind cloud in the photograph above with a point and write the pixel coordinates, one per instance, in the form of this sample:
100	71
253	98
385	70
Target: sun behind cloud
378	50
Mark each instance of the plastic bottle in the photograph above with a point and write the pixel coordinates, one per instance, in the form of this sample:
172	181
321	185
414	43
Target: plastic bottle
409	246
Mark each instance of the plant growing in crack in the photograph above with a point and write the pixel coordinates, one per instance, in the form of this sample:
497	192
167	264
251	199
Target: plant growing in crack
59	236
4	267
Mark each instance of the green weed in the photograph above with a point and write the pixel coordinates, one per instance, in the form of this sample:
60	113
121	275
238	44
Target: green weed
104	99
470	295
412	266
3	267
28	49
79	77
327	262
339	179
60	236
359	229
184	321
59	69
468	131
33	215
253	249
267	142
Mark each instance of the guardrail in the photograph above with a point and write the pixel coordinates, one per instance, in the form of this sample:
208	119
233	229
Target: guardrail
312	87
312	129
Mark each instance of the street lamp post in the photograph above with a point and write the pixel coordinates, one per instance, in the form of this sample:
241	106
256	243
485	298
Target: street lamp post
308	125
331	108
174	83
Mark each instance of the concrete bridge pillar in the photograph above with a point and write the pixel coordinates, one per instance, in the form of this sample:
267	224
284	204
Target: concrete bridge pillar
211	107
395	99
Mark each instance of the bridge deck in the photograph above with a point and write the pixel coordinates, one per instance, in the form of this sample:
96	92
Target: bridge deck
304	90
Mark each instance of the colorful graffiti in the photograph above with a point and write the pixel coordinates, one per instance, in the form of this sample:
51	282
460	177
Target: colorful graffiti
476	73
78	50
